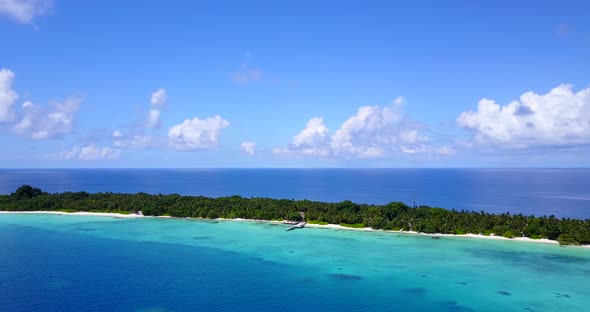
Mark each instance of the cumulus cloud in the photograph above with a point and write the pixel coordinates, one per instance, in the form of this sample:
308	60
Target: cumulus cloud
7	96
25	11
312	140
197	134
372	132
88	152
558	118
34	121
113	143
248	147
314	134
247	72
157	100
153	119
38	123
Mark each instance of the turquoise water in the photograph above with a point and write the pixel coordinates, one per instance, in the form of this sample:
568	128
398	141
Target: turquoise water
75	263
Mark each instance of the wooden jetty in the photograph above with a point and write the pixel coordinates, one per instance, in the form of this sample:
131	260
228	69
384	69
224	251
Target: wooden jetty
299	225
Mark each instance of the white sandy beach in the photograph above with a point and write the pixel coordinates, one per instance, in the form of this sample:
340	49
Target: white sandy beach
79	213
522	239
326	226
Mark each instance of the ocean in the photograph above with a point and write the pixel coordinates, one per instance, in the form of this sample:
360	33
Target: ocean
559	192
90	263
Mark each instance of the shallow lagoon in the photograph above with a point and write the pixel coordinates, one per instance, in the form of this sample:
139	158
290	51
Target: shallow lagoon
73	263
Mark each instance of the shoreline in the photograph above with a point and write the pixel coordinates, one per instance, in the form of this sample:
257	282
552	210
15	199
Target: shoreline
78	213
319	226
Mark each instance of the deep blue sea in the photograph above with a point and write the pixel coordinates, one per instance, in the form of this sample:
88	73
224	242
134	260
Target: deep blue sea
559	192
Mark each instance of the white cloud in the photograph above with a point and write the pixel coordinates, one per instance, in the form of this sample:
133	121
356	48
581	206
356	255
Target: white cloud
25	11
88	152
38	123
117	134
96	153
159	98
197	134
558	118
33	121
153	119
312	140
372	132
248	147
314	134
7	96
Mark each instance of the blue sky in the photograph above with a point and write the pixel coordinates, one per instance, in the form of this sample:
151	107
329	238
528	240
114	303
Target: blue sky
294	84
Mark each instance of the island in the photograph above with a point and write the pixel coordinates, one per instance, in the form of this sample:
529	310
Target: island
394	216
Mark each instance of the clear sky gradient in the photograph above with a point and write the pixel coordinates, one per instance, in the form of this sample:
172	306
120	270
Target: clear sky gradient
294	83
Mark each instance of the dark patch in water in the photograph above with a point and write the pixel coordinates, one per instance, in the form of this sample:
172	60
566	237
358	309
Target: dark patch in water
417	291
346	277
395	266
85	229
462	283
424	276
266	262
201	237
504	293
529	309
291	251
454	306
542	263
339	269
560	295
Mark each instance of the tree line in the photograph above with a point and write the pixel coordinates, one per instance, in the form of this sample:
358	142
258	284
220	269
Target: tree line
392	216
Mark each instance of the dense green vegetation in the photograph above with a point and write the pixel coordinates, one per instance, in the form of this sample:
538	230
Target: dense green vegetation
317	222
354	226
392	216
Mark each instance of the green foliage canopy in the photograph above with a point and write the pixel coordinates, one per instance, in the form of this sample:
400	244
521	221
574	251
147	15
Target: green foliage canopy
392	216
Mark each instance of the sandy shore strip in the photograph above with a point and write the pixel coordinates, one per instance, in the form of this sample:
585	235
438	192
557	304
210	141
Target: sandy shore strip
321	226
368	229
79	213
522	239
